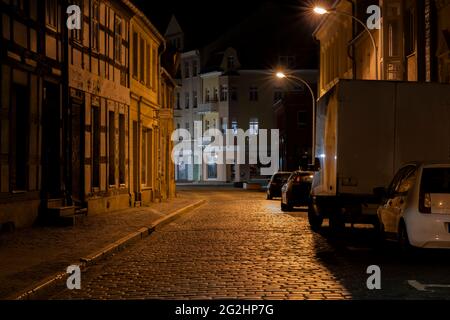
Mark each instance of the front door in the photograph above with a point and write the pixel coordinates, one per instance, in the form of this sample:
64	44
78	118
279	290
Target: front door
51	141
77	137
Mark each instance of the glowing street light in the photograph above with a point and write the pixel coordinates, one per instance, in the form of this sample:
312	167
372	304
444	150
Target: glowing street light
280	75
320	10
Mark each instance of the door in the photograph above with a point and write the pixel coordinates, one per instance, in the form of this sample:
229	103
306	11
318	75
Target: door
392	210
51	141
136	162
77	154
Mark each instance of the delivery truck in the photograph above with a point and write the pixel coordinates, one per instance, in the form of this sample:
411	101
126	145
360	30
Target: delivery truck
366	130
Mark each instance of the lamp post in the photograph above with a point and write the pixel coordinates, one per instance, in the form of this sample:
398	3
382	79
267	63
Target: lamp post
322	11
281	75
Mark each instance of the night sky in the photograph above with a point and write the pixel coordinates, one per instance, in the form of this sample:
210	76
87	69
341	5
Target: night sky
203	21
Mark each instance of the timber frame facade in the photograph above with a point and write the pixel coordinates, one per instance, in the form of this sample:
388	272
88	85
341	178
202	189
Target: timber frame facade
66	111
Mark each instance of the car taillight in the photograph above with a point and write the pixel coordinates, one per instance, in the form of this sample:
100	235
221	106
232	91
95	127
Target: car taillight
425	203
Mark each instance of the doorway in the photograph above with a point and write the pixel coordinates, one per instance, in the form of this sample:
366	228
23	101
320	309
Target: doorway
51	142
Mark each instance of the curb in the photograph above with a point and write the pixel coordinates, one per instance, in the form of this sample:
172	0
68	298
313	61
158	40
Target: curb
60	278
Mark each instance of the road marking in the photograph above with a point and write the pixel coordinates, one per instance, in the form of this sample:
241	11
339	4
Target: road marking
423	287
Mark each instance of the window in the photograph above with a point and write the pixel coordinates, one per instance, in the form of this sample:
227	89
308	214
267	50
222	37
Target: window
121	149
112	149
230	62
253	93
302	119
194	98
135	54
142	60
207	95
212	170
146	169
178	101
393	39
399	177
277	95
19	154
253	126
287	62
299	88
95	147
435	180
186	100
186	69
216	94
154	68
410	32
118	39
148	69
233	94
234	126
224	93
95	25
194	68
19	4
51	12
77	34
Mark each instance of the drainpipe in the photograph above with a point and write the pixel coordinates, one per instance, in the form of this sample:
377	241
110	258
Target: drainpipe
158	117
66	113
351	52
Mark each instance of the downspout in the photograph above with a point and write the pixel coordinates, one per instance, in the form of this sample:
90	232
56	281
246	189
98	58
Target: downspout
164	47
66	109
351	47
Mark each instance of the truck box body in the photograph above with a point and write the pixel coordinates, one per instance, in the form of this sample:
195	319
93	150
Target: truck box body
365	130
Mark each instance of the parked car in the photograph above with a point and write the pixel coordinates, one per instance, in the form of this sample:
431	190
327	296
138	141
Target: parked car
276	182
296	191
416	210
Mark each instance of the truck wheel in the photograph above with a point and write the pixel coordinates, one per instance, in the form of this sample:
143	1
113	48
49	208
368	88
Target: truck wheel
285	207
337	223
314	218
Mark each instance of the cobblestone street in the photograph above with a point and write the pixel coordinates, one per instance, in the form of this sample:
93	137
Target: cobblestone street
239	245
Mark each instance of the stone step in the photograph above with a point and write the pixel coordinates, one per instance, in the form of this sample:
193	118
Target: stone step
61	211
70	221
55	203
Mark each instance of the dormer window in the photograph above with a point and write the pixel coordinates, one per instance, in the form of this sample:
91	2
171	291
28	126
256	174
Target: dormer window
287	62
230	62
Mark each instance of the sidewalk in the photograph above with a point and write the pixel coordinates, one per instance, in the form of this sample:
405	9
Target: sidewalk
27	256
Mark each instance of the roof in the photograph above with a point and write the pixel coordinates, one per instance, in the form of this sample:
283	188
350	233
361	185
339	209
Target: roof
144	18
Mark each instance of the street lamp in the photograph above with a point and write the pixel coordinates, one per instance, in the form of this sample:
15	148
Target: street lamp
282	75
322	11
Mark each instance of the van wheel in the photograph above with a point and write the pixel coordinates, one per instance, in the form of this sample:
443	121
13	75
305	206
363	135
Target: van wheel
314	218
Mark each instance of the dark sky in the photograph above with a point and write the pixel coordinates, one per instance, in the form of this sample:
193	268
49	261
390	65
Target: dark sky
204	20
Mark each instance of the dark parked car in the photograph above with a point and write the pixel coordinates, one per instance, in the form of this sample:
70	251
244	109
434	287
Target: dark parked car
296	190
276	182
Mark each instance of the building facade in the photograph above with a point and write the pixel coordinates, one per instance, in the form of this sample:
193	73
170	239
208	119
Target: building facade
230	84
31	108
145	110
99	93
412	43
83	126
293	112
